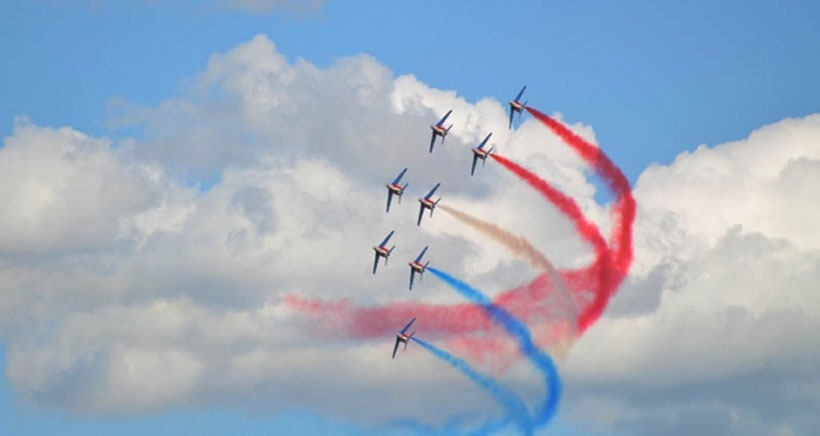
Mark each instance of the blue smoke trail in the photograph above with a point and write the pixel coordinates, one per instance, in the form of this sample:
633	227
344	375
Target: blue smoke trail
517	328
515	407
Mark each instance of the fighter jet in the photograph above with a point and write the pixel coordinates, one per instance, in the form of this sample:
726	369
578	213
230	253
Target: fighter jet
428	203
393	188
480	153
516	105
417	267
439	130
403	337
382	251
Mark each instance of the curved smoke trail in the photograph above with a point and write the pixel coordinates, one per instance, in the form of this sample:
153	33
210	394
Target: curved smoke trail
517	328
564	308
587	229
614	178
625	209
602	278
516	244
563	202
508	399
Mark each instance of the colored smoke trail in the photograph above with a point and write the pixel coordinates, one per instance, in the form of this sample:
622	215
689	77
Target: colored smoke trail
516	244
563	202
591	286
624	211
561	304
508	399
515	327
615	180
587	229
336	319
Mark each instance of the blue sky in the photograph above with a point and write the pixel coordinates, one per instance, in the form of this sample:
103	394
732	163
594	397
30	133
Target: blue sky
652	78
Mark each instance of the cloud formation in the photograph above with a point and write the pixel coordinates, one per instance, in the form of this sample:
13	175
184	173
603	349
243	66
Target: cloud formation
141	273
172	250
719	311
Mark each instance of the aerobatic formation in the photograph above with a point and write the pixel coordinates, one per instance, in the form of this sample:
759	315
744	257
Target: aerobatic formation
548	313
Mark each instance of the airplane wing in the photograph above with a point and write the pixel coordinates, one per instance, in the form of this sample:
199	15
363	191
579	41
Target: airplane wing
475	159
418	258
389	197
408	325
432	141
444	118
412	276
432	191
520	93
512	112
375	262
395	348
485	140
387	238
421	211
401	174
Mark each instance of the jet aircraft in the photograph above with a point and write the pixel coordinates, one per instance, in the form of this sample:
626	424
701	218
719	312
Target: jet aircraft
439	130
403	337
393	188
428	203
382	251
417	267
516	105
480	153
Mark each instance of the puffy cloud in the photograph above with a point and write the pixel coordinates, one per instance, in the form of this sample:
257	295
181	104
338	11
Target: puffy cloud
264	178
125	289
718	316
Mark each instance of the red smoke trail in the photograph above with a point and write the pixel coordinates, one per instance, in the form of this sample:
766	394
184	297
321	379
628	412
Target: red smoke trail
564	203
532	302
588	230
464	327
621	238
345	319
623	211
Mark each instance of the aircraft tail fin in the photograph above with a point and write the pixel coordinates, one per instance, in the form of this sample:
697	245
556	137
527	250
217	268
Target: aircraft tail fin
408	339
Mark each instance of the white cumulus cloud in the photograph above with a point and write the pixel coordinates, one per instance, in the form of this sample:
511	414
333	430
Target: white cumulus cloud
142	273
720	307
